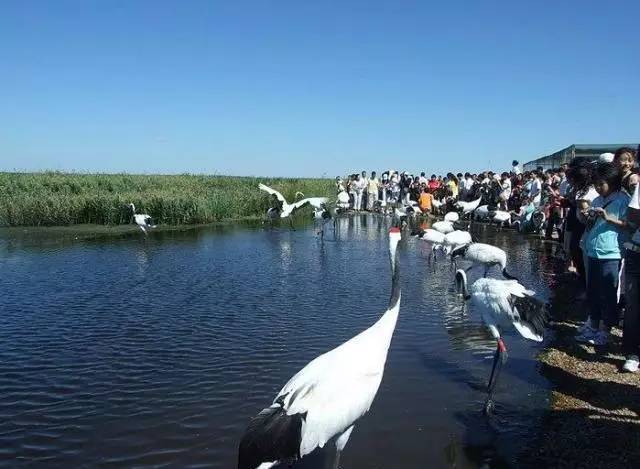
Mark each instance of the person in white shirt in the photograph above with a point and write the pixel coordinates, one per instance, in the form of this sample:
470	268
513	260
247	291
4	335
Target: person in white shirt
358	186
423	179
372	190
506	190
631	327
535	193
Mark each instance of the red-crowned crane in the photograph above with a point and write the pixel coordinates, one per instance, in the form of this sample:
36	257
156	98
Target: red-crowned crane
485	255
143	221
504	304
452	217
325	399
468	207
443	227
287	209
455	240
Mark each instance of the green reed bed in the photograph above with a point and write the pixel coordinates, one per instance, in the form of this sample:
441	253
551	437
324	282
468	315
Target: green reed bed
56	199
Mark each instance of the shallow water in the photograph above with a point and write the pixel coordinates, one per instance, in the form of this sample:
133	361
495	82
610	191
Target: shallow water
157	352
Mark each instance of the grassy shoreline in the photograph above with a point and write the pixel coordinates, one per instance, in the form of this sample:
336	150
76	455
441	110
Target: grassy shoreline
64	199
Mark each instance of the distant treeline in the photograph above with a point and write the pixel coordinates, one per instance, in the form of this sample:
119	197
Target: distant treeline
55	199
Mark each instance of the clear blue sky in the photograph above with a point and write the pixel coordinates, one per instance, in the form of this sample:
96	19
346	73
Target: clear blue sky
306	88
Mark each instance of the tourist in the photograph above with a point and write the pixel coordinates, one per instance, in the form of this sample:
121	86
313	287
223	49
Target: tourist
505	192
631	326
624	159
358	186
425	202
605	233
535	191
372	191
365	184
423	178
578	199
433	184
452	185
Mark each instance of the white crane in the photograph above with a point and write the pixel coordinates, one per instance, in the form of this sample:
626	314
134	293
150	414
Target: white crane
321	216
287	209
481	212
326	398
504	304
433	239
437	205
452	217
443	227
343	200
456	240
143	221
407	210
501	218
468	207
485	255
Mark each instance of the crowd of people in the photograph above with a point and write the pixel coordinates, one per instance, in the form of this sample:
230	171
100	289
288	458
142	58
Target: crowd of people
591	207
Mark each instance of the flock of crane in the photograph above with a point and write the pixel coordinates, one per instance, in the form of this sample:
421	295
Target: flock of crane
323	401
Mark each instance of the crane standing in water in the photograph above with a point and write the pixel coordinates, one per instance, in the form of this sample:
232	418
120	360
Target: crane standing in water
325	399
504	304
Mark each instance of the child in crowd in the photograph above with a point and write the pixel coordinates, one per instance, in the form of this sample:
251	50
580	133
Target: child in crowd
606	231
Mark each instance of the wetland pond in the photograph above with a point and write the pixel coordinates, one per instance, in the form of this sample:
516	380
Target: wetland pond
156	352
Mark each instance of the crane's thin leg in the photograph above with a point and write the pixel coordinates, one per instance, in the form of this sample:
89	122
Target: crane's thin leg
499	359
291	224
341	442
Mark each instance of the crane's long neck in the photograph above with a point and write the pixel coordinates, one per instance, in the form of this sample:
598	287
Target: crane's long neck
461	281
386	325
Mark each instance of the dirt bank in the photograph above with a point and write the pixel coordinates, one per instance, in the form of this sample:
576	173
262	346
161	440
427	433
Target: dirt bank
594	419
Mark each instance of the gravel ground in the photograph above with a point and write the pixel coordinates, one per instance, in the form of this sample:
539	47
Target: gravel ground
594	418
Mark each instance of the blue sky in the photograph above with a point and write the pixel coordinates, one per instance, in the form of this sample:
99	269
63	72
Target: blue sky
301	88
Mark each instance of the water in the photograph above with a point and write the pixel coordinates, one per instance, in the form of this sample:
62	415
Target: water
128	352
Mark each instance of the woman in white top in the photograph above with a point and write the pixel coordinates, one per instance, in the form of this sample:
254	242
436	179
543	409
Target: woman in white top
506	190
535	193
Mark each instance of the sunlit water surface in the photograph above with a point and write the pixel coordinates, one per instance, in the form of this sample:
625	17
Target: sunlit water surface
132	352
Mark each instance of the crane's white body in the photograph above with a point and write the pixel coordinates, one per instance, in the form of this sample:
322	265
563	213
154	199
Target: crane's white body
455	240
502	217
343	200
143	221
468	207
287	208
452	217
493	299
481	212
486	255
504	304
337	388
443	227
433	239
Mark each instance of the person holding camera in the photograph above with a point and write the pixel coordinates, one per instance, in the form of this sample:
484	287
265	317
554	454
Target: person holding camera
603	242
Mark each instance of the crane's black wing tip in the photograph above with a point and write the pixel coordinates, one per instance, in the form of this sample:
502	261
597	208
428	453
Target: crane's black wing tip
532	311
272	435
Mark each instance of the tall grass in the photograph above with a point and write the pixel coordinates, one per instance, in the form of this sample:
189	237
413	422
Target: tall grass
54	199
